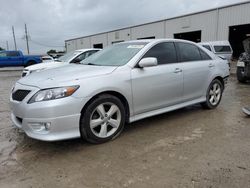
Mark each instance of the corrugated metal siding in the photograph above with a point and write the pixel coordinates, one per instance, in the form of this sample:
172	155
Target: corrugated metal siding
206	22
149	30
121	35
214	25
231	16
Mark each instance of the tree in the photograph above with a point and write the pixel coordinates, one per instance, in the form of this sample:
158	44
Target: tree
1	48
51	52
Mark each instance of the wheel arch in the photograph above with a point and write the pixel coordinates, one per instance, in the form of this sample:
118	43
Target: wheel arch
113	93
221	80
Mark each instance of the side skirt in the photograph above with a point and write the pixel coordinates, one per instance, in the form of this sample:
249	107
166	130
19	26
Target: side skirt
166	109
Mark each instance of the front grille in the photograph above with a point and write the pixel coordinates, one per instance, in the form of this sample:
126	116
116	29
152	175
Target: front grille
19	95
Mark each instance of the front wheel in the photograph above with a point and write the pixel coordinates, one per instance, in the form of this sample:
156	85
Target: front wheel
214	95
103	119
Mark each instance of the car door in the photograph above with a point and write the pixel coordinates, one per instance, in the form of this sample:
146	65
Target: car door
159	86
14	58
3	59
197	66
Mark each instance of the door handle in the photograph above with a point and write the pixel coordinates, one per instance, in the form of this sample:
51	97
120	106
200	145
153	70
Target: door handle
211	65
177	70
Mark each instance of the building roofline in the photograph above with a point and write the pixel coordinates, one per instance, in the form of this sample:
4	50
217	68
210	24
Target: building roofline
171	18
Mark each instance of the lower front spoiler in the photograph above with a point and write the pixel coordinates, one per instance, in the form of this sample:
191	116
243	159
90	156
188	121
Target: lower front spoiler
61	128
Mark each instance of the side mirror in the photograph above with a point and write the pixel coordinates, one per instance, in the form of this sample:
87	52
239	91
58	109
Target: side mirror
148	62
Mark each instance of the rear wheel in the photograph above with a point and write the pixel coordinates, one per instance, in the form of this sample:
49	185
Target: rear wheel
214	95
103	119
240	74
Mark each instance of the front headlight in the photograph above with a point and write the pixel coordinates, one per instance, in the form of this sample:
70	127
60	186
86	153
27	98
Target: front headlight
54	93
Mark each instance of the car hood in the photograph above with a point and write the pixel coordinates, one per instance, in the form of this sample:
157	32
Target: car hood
42	66
59	76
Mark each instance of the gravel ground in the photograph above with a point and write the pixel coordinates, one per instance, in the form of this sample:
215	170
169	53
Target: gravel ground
190	147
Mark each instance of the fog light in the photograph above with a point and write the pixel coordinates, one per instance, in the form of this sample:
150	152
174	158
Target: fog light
40	126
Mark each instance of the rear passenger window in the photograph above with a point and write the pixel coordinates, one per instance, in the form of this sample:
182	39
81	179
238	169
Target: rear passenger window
221	49
12	54
164	52
204	55
188	52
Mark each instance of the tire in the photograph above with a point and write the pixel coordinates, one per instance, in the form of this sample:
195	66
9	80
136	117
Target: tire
102	120
214	95
240	75
29	63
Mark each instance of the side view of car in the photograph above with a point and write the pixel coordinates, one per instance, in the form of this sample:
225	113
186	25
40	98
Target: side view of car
220	48
16	58
121	84
71	57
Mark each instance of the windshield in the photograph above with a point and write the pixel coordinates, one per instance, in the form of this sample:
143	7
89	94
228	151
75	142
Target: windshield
116	55
68	56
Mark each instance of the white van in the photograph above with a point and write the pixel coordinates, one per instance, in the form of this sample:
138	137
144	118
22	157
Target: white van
220	48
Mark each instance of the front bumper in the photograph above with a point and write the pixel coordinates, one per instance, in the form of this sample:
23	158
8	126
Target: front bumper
62	116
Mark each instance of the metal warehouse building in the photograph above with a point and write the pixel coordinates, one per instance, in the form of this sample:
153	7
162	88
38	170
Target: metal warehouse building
230	22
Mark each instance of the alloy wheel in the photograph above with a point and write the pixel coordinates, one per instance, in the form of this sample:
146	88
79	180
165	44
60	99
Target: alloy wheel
215	94
105	120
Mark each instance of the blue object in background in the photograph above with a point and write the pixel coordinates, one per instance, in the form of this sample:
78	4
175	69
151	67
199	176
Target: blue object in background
16	58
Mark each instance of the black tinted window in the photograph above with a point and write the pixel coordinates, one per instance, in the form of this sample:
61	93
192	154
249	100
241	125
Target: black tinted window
164	52
12	54
188	52
222	49
204	55
207	47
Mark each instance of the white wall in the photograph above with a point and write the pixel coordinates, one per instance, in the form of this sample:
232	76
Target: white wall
120	35
206	22
213	24
97	39
149	30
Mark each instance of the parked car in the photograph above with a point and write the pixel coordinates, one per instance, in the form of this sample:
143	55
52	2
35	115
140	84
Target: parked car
71	57
121	84
220	48
243	64
16	58
47	59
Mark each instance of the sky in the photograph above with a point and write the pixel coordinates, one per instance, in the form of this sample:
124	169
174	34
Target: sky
51	22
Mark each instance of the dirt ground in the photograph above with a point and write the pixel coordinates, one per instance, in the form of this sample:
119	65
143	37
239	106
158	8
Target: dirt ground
190	147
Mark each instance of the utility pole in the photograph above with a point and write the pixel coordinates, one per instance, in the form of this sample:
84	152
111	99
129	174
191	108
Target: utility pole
14	37
7	45
27	40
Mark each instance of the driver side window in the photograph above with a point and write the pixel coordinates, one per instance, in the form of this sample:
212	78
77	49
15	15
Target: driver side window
165	53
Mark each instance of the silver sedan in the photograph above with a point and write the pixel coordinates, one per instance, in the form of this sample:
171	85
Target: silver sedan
121	84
